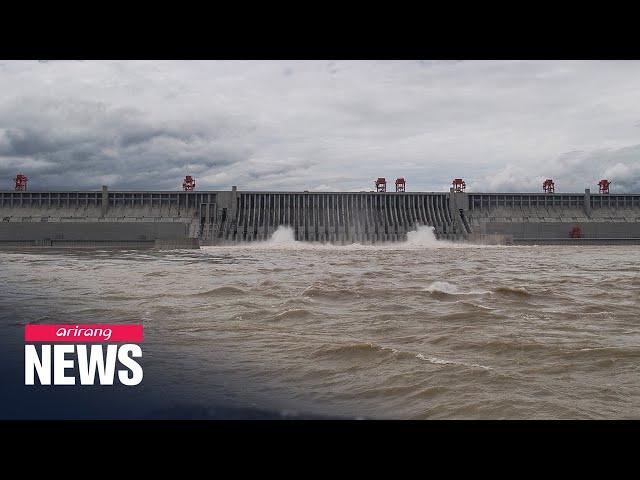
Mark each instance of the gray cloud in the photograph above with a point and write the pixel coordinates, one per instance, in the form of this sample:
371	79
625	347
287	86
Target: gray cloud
80	143
578	170
320	125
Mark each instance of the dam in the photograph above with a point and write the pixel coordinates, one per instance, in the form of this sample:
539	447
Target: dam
189	219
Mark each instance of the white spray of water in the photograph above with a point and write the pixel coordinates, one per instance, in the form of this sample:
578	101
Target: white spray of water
284	238
425	237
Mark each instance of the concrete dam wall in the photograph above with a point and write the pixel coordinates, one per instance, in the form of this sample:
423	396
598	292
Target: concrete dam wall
165	219
549	218
218	217
94	219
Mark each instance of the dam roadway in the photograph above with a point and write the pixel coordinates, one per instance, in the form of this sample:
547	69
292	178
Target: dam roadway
187	219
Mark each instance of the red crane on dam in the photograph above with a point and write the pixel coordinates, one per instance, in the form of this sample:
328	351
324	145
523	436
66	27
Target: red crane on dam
459	185
21	182
189	183
604	186
381	184
401	185
548	186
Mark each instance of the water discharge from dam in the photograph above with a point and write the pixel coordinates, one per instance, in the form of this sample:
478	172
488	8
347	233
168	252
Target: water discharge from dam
414	329
284	238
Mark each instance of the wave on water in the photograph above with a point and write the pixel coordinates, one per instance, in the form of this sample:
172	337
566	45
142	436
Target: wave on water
513	291
352	350
443	287
440	288
446	289
293	314
221	291
368	349
440	361
322	292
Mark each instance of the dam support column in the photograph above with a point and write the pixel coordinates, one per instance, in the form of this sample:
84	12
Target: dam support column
105	201
234	202
587	201
234	214
459	204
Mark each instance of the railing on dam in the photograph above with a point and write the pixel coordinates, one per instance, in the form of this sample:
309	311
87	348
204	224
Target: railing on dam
50	199
614	201
115	199
524	200
555	200
184	200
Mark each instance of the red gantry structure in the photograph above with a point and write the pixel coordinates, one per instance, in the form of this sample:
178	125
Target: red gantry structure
381	184
401	185
459	185
548	186
189	183
21	182
604	186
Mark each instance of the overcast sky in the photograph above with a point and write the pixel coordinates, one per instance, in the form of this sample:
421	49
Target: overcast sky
320	125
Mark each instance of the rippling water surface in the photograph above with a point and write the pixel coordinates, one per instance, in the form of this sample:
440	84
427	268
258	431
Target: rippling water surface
416	330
